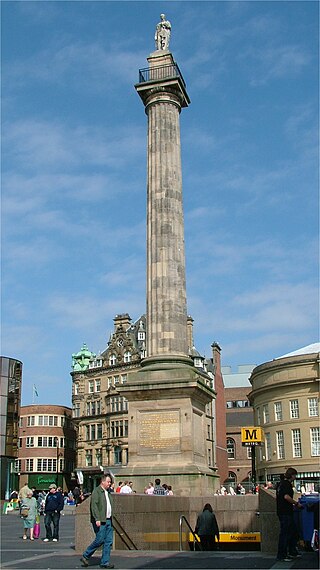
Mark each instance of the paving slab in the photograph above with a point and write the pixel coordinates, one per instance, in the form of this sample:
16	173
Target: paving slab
33	555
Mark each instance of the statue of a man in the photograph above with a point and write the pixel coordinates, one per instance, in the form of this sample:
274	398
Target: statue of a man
162	35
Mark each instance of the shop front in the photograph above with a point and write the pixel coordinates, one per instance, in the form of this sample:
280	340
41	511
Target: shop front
41	481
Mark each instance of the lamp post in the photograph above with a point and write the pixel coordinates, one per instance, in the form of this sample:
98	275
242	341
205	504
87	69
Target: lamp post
56	441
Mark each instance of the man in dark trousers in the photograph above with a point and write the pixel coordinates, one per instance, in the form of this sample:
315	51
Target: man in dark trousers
52	509
287	549
101	513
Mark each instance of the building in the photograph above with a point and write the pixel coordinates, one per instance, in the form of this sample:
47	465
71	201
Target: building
239	414
47	442
100	413
285	399
10	392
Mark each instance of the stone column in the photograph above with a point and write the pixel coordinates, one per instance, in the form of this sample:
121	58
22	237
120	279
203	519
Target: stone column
163	96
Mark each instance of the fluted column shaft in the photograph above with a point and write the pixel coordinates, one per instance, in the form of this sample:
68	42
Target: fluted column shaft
166	283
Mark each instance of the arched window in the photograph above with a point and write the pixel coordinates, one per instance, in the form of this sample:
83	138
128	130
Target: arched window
232	478
127	356
231	448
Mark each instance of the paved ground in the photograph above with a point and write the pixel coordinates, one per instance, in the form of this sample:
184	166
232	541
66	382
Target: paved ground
24	554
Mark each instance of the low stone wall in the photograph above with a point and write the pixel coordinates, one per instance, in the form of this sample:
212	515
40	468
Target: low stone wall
152	522
269	522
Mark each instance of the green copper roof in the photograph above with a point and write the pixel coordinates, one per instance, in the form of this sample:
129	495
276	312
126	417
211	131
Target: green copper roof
81	359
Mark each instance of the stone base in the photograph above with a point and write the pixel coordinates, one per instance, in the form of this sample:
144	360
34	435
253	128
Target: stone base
168	426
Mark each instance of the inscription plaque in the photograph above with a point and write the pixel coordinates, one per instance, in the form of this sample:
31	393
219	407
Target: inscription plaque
159	431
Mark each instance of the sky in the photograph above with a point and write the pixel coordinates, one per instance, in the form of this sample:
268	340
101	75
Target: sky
74	177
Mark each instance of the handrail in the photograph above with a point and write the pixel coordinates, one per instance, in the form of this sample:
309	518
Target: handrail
122	533
195	538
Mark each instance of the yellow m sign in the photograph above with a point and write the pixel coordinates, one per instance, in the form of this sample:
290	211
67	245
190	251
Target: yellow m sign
251	435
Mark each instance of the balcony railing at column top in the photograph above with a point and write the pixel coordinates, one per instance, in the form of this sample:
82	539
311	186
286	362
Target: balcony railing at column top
161	72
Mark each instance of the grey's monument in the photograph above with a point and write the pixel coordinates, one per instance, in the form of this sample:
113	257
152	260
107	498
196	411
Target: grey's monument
168	396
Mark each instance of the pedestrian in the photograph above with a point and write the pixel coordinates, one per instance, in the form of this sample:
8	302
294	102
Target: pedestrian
118	489
101	520
77	494
170	492
126	488
29	507
207	528
149	490
52	509
287	549
158	489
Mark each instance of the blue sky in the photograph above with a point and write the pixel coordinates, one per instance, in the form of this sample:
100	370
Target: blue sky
74	177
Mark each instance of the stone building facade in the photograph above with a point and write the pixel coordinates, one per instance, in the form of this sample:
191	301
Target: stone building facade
285	398
47	442
100	412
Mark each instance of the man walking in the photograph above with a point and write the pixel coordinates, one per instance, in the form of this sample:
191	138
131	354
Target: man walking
52	508
101	512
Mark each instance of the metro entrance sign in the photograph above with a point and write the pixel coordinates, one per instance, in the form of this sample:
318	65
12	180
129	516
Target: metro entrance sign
251	436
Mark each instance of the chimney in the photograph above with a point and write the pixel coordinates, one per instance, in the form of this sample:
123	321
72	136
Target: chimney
122	322
190	332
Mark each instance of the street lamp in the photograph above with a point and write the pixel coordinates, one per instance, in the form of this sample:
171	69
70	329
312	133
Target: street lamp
56	441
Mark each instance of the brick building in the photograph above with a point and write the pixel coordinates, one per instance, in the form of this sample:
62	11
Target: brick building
47	442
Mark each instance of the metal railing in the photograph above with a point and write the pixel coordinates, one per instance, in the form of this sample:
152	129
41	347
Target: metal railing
161	72
195	538
128	542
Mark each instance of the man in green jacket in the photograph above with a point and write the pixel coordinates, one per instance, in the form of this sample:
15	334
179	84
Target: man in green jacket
101	513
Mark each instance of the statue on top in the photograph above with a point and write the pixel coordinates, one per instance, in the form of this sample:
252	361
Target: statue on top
162	35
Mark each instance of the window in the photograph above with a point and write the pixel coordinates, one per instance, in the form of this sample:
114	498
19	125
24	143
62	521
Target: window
109	381
17	465
76	389
124	378
20	442
127	356
112	360
141	335
88	408
231	448
90	386
208	431
296	443
97	385
63	421
209	456
31	421
98	456
117	455
313	407
93	431
116	380
88	433
47	441
232	478
61	465
29	464
280	444
278	411
88	458
76	410
294	409
268	446
20	422
99	431
49	465
315	441
29	442
258	417
265	413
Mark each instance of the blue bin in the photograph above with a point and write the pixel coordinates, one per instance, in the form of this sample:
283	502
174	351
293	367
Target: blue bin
307	515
